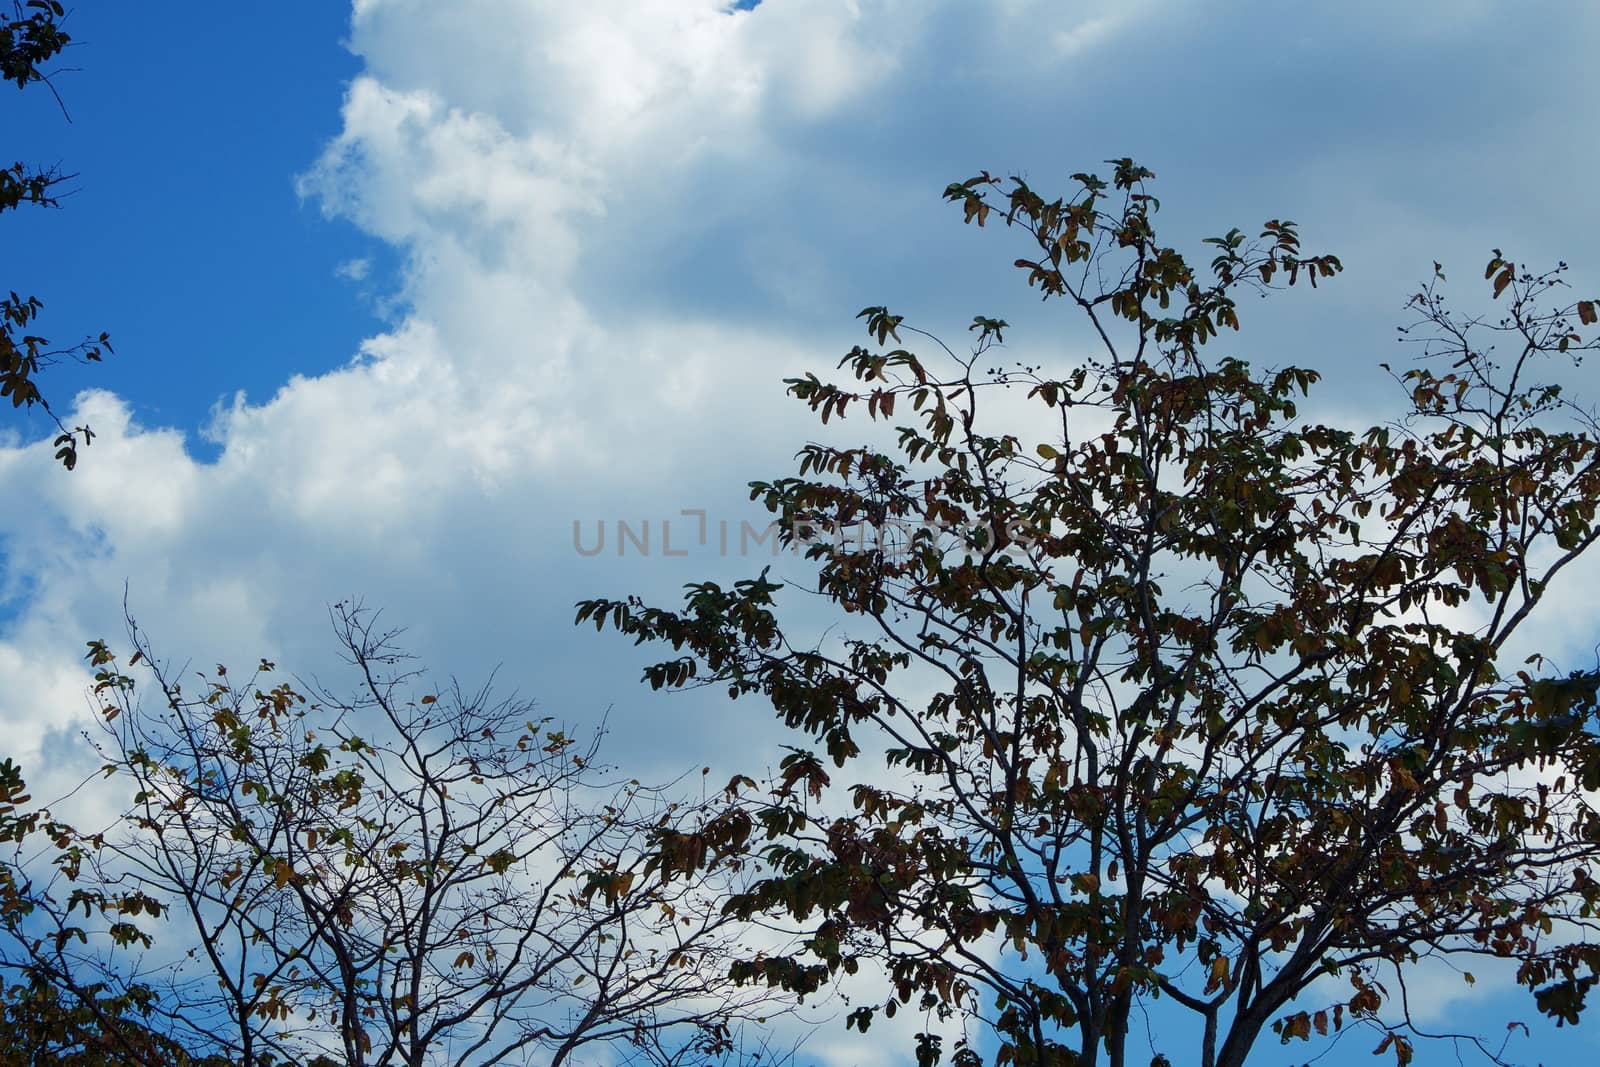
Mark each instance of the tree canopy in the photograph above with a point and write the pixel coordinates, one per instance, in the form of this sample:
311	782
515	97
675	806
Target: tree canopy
31	35
399	875
1163	690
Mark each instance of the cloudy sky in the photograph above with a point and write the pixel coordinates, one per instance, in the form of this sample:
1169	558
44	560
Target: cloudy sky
400	293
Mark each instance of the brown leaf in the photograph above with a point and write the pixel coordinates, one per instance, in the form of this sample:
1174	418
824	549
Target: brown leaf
1504	279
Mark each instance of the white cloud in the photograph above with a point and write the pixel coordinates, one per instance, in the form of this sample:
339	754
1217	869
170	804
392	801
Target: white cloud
354	270
1100	30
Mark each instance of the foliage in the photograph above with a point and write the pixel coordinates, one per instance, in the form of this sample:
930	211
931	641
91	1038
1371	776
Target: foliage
38	1026
404	876
1180	695
92	1027
31	36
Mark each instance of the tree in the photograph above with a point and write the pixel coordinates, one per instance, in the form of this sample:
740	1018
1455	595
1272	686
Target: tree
30	37
91	1027
1179	695
38	1026
400	877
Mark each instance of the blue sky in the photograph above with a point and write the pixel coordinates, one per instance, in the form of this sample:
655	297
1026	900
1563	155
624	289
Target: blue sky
400	292
184	235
